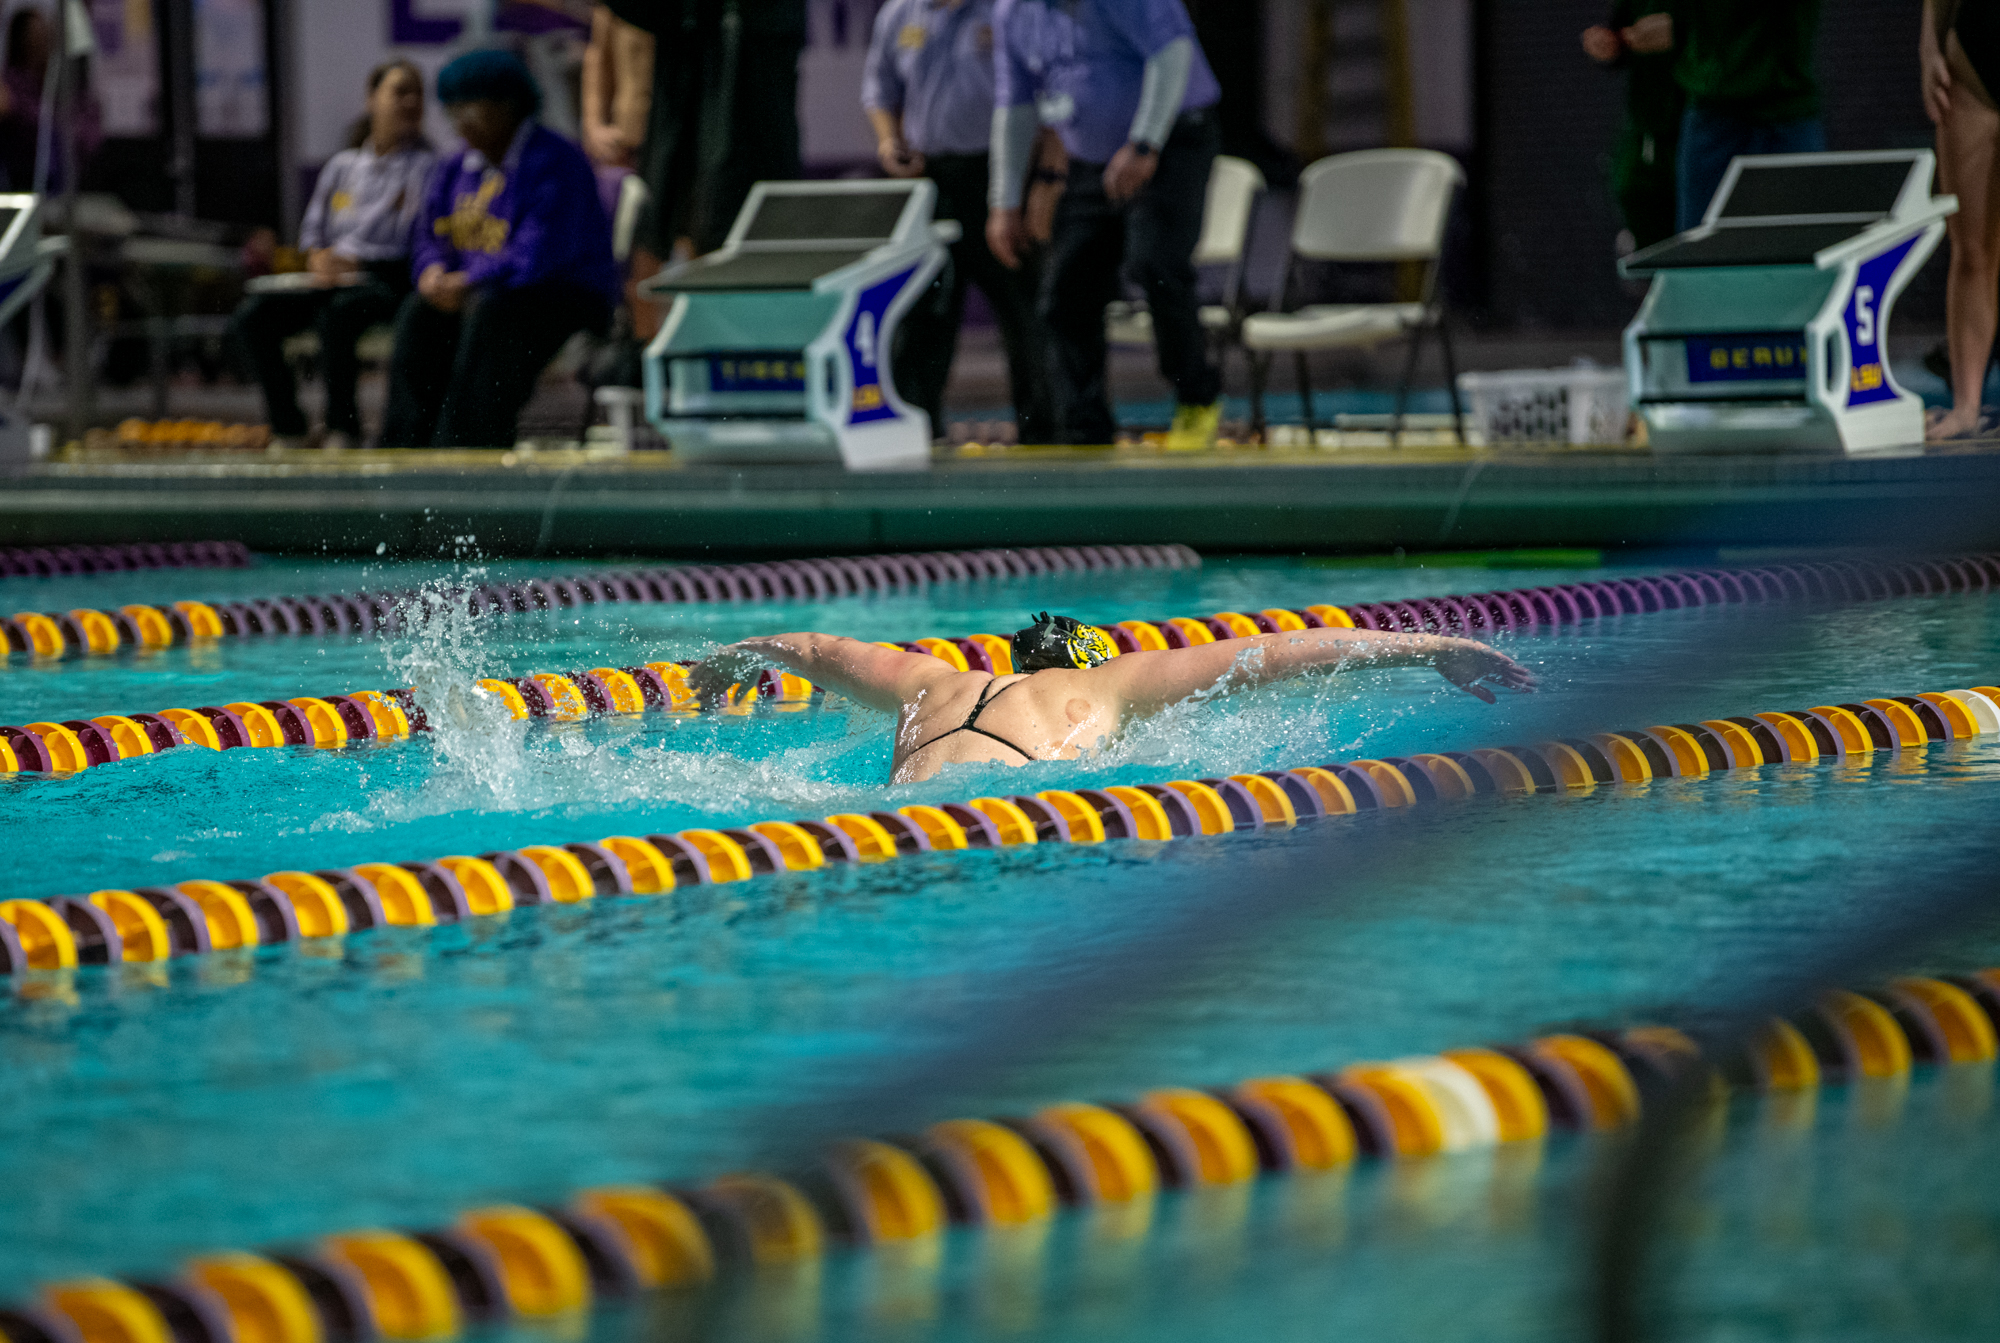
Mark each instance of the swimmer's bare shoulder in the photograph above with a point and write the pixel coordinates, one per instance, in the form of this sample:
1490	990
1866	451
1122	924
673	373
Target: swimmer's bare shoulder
1067	700
1051	714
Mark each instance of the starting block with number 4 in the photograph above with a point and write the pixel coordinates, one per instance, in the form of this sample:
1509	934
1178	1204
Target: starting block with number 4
1765	329
778	346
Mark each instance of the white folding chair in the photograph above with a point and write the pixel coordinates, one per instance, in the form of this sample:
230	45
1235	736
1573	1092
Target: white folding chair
1378	205
1234	187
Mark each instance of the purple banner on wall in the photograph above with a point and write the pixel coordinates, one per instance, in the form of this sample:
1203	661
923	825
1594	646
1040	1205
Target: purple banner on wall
407	28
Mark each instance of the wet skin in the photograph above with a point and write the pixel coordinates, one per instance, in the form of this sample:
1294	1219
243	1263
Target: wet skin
1059	713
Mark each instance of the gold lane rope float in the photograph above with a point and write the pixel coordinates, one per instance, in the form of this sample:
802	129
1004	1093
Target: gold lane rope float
506	1263
154	923
74	744
84	632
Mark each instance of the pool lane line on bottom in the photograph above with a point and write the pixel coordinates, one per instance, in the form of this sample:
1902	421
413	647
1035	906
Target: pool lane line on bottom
84	632
155	923
75	744
498	1264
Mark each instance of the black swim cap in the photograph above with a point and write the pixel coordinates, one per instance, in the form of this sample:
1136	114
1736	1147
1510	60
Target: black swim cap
1058	641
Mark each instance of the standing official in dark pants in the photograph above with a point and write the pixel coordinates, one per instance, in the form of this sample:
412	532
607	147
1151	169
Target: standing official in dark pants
724	113
928	89
1645	165
1128	89
1747	71
512	256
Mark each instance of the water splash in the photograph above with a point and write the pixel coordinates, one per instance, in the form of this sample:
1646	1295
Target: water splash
476	744
834	757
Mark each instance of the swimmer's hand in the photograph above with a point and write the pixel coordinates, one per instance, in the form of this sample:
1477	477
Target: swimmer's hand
1467	662
711	678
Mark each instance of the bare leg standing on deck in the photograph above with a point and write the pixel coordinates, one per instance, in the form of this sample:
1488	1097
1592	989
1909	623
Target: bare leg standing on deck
1968	147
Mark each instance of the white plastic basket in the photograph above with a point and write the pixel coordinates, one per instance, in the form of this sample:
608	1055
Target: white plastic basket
1577	405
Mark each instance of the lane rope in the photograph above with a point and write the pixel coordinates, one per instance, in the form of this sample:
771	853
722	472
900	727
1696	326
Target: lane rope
499	1264
153	923
661	687
54	561
84	632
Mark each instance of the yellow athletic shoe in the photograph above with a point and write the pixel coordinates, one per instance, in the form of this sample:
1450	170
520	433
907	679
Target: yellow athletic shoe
1194	428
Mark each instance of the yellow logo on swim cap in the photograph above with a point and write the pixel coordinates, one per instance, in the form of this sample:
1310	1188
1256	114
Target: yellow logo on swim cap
1059	641
1089	647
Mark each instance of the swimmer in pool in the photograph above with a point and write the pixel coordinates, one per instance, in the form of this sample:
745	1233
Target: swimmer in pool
1072	689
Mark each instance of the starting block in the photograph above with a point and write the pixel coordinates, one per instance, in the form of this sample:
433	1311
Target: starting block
27	259
778	345
1765	329
27	263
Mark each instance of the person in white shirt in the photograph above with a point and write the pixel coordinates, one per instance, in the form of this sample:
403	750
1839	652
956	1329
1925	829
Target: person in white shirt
356	235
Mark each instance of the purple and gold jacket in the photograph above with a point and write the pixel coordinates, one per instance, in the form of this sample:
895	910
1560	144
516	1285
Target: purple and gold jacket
533	219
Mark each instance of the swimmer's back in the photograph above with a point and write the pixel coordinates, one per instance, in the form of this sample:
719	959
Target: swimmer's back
1054	714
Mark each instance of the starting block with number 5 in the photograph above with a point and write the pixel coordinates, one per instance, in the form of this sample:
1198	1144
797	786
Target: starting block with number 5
778	346
1765	329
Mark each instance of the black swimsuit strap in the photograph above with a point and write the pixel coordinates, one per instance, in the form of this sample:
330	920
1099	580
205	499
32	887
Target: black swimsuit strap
986	696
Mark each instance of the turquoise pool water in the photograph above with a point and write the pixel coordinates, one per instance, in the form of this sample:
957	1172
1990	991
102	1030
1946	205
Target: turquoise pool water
405	1075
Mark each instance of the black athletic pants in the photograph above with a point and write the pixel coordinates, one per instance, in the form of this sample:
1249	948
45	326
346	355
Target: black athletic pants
928	339
1152	237
459	380
340	316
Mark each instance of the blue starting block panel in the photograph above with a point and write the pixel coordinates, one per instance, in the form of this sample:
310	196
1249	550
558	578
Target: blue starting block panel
777	346
1765	329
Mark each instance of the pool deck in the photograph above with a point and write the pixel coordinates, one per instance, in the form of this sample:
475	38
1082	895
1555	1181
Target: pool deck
1281	500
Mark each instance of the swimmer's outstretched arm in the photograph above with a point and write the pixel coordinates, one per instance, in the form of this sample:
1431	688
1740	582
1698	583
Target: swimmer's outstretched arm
881	678
1149	682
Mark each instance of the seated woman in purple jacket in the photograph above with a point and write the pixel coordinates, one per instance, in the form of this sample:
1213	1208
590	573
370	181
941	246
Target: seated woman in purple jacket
512	257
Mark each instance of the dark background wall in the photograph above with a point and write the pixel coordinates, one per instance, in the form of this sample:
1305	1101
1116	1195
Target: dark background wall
236	181
1534	247
1542	216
